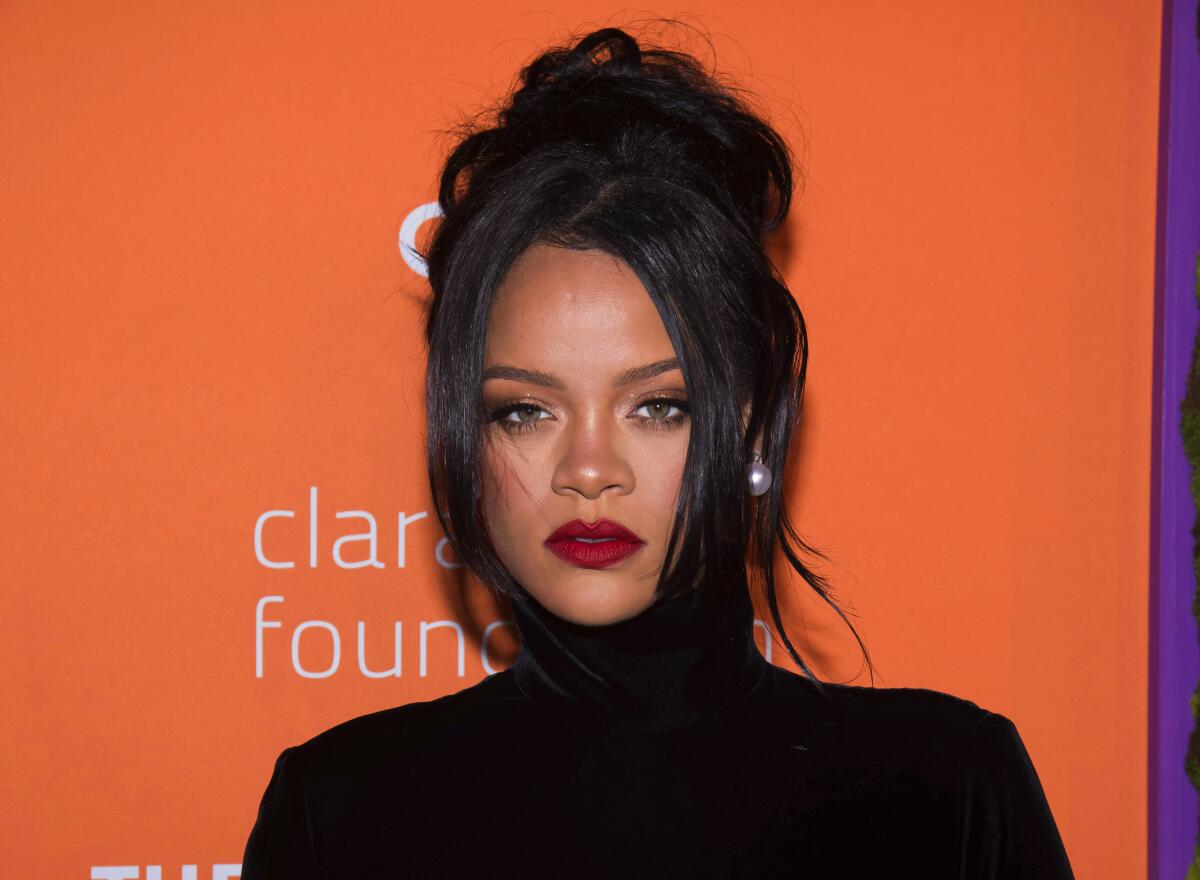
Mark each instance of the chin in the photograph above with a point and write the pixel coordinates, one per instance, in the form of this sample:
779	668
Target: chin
594	598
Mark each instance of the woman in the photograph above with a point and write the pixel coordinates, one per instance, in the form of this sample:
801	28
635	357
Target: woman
614	373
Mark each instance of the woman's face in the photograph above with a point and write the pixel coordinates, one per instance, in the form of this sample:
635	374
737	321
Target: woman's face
588	433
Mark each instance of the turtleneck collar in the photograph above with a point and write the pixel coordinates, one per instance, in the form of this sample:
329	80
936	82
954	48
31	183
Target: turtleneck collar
681	661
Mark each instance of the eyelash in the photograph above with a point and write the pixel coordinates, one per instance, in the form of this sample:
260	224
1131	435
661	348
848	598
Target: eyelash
501	415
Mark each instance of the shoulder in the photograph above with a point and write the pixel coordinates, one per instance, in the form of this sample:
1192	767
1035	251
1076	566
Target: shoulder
920	708
426	727
900	722
924	727
968	757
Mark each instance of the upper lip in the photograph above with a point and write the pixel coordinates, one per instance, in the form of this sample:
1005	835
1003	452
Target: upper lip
601	528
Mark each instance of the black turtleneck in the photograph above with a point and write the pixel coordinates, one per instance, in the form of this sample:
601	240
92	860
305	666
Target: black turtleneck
661	746
679	662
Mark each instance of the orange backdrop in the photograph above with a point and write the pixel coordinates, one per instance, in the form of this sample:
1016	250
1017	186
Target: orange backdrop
206	314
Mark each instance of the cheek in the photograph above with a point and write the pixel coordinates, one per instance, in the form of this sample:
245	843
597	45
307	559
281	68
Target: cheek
659	479
510	496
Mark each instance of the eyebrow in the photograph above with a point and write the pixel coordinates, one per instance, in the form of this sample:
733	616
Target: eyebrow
546	380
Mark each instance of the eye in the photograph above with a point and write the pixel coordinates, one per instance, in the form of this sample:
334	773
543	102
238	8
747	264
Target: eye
517	418
663	413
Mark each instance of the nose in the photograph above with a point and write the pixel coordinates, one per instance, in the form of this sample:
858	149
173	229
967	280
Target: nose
590	464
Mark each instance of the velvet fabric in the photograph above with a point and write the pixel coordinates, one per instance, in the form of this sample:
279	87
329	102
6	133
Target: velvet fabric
662	746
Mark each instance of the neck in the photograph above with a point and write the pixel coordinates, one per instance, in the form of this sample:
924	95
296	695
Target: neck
681	661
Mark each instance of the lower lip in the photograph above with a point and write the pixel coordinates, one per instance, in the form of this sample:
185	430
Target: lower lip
600	554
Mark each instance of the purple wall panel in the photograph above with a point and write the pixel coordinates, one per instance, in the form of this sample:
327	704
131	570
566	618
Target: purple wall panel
1174	649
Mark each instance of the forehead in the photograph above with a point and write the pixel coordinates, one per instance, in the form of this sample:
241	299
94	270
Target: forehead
574	304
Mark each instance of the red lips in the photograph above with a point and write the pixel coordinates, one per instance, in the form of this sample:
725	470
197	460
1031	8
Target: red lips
601	544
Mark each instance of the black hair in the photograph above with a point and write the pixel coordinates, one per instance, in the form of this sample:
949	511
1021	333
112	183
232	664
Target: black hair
641	153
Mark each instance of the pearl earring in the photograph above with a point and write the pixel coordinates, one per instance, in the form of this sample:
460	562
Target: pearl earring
758	475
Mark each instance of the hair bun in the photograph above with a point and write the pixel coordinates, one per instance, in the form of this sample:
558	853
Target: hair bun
557	72
642	110
606	51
